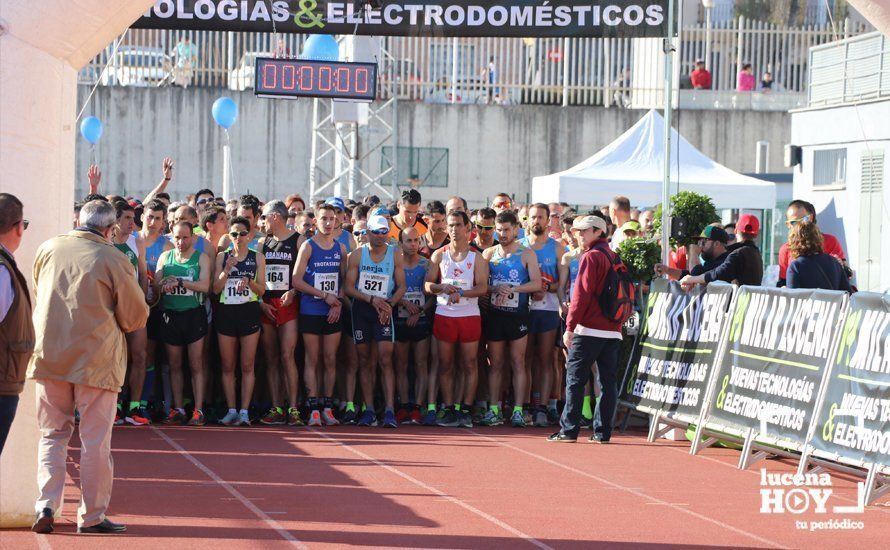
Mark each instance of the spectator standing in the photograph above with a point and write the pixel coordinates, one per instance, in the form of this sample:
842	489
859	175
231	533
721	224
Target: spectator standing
619	213
802	211
745	81
16	327
80	359
701	77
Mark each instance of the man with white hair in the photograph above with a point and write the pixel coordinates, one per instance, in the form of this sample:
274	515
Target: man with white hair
80	359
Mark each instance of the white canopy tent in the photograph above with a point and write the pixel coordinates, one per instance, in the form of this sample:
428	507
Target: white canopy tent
633	166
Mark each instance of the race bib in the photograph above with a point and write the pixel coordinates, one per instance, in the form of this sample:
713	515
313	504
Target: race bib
234	296
459	283
632	325
277	277
182	291
327	282
374	284
416	298
510	301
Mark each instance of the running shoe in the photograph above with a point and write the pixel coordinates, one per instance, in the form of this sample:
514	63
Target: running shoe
552	416
402	416
368	419
197	418
349	417
175	417
478	414
517	420
441	413
466	419
275	417
389	420
450	419
230	419
527	417
118	419
138	417
329	419
293	417
243	419
315	419
541	419
429	419
490	418
415	417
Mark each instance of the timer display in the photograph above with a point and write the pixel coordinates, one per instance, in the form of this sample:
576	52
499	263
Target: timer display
308	78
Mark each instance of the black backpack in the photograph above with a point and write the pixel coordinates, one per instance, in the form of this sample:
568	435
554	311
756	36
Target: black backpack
619	292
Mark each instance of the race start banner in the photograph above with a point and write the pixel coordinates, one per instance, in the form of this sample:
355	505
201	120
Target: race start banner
854	418
677	348
516	18
772	367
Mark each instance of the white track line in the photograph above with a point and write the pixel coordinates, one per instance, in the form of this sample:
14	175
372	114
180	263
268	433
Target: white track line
633	492
449	498
285	534
43	542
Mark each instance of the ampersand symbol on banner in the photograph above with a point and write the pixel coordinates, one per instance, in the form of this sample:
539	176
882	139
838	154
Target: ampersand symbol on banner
721	397
828	427
306	18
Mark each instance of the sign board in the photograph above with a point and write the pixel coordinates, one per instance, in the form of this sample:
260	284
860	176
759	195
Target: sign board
518	18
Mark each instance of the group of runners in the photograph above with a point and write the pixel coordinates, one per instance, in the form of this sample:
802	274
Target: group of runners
435	315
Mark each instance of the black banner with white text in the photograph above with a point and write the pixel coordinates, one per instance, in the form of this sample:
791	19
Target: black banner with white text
677	348
771	370
511	18
854	419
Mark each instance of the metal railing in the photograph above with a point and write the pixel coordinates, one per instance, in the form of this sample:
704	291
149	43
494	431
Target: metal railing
566	71
851	70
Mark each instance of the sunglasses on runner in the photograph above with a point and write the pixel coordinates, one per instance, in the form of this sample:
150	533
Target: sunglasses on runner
503	204
359	232
380	231
236	234
205	201
484	227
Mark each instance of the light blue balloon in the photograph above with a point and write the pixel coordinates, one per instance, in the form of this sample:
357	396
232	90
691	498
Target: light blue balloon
321	47
91	129
225	112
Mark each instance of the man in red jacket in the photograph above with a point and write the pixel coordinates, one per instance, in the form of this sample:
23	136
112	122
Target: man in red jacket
590	337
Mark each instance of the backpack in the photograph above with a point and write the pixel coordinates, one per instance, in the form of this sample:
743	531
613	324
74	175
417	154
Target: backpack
619	293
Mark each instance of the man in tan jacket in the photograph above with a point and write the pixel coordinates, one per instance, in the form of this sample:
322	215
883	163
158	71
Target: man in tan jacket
86	300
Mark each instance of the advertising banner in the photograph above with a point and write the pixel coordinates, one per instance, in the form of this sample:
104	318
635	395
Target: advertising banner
677	348
772	367
517	18
854	418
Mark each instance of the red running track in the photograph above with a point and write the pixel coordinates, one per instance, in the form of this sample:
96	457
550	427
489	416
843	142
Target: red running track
215	487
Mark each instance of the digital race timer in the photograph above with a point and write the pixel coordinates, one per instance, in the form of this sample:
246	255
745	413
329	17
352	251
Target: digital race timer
308	78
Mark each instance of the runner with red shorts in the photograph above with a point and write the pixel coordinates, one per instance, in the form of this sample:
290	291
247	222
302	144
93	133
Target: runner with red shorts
280	307
458	276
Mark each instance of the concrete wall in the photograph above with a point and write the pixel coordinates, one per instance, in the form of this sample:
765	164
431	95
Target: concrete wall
491	149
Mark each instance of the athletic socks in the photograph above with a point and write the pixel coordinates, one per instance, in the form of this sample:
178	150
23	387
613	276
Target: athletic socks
536	399
586	409
495	409
431	407
231	411
242	412
517	408
350	406
328	402
134	405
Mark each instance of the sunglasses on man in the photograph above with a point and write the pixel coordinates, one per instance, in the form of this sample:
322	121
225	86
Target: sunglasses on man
236	234
484	227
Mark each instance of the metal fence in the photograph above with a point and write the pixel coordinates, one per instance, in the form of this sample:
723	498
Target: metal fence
567	71
850	70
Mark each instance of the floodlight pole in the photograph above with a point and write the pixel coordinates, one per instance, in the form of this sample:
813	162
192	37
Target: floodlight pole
668	108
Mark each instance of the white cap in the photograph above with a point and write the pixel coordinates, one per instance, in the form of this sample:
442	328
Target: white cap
377	223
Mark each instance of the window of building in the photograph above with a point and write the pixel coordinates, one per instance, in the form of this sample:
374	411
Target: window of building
830	168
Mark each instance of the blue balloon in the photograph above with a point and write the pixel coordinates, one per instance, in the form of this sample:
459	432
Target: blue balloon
91	129
225	112
321	47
